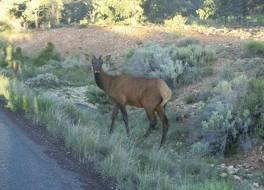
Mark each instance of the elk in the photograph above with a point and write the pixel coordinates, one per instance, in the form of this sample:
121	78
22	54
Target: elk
152	94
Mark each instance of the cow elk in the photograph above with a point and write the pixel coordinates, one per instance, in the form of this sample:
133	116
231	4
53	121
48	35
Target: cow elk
152	94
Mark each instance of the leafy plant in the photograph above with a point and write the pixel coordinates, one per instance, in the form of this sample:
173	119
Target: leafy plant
98	97
176	23
47	54
176	65
46	80
254	48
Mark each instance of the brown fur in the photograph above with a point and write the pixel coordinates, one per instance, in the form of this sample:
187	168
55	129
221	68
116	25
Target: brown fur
152	94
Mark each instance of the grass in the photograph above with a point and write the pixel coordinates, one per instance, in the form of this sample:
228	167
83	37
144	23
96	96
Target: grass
254	48
135	162
190	99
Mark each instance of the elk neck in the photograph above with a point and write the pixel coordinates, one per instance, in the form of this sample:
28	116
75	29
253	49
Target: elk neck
103	80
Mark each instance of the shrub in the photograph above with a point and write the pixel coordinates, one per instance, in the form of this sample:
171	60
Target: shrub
154	60
47	54
225	123
46	80
186	42
254	48
175	65
2	53
176	23
194	55
98	97
253	102
84	23
190	99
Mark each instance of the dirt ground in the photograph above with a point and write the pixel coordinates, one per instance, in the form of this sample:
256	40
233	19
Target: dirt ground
114	40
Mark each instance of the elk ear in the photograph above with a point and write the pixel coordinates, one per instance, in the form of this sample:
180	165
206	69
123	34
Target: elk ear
107	58
87	56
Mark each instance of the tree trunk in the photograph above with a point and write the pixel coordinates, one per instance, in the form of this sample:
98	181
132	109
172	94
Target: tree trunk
36	20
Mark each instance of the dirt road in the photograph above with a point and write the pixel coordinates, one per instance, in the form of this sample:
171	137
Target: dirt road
25	164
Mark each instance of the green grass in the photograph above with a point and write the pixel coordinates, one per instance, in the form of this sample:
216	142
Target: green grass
190	99
254	48
76	76
135	162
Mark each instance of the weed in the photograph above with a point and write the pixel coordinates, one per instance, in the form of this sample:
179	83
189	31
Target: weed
47	80
254	48
190	99
47	54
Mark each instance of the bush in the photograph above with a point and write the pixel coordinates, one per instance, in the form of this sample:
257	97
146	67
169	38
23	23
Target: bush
226	125
84	23
98	97
46	80
193	54
253	102
187	41
175	65
154	61
177	23
47	54
254	48
190	99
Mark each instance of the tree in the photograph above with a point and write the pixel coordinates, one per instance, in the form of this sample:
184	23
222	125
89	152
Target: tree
8	18
208	9
116	10
43	10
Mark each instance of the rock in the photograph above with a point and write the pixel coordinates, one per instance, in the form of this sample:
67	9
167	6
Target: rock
255	185
237	177
223	175
223	166
232	170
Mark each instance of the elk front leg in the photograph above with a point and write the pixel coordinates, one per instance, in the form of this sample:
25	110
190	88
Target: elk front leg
114	115
125	118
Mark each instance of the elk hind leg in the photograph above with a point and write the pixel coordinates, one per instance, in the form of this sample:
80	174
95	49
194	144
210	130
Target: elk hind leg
165	124
152	122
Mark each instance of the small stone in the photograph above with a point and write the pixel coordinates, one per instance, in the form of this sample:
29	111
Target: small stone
223	175
231	170
223	166
256	185
237	177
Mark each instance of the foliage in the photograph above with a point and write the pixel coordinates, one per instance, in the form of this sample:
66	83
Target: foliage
254	48
175	64
45	11
208	9
116	11
253	102
190	99
184	42
154	60
193	54
176	23
47	54
46	80
98	97
233	115
84	23
159	10
75	11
